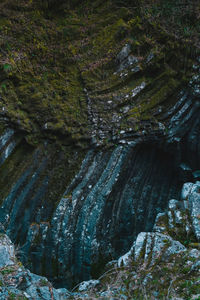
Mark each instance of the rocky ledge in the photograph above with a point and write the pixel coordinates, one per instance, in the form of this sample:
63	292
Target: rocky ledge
162	264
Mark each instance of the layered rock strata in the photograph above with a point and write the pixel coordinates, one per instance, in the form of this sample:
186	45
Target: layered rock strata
163	264
116	86
160	264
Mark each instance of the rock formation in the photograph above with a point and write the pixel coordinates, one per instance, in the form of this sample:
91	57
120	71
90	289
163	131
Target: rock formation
99	129
163	264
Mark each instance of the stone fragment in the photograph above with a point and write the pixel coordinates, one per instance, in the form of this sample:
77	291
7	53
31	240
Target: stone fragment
85	285
6	252
186	190
124	52
155	245
194	208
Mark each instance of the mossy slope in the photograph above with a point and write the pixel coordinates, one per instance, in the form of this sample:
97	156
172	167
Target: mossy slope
52	60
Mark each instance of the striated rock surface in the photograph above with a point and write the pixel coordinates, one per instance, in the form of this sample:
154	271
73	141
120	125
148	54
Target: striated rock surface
70	215
163	264
115	195
100	127
159	265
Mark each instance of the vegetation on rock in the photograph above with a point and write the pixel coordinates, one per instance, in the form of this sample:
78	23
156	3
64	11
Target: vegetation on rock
56	55
158	266
78	74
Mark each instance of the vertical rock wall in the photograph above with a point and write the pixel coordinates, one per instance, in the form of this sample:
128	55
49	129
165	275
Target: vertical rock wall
115	195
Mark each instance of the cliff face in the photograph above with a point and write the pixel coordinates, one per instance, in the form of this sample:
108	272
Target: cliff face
70	235
160	264
99	129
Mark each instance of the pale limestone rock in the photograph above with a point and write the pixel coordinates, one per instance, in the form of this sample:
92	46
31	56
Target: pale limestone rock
7	256
85	285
